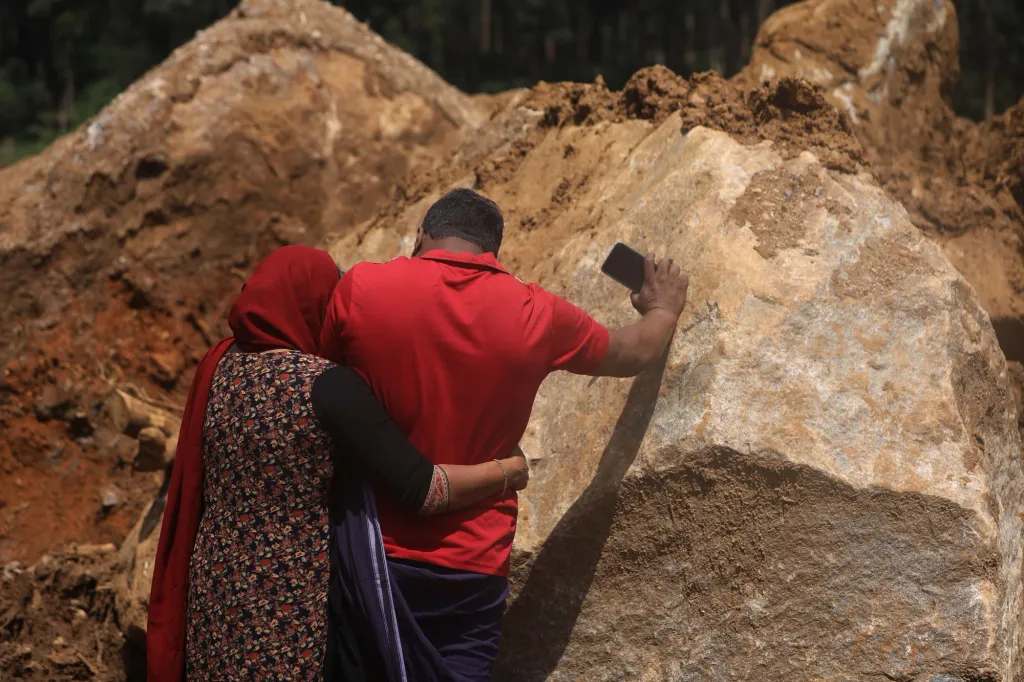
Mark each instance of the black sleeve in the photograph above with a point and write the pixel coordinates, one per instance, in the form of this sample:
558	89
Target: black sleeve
367	439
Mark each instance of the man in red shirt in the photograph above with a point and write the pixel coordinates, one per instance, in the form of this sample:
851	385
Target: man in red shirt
455	348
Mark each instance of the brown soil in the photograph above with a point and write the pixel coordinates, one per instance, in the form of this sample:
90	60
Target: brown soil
57	469
58	622
792	113
122	245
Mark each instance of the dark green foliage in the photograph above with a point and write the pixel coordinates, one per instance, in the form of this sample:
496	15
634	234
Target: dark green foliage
63	60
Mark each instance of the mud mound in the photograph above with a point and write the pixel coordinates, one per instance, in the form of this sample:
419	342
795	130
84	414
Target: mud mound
996	156
790	112
992	155
58	622
121	245
891	68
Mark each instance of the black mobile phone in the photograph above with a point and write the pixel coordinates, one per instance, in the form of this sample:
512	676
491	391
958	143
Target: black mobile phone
625	266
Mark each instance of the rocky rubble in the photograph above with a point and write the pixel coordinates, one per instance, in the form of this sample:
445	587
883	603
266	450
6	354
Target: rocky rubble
80	613
58	620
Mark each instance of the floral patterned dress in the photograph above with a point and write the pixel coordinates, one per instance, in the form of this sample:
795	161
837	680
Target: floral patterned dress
260	571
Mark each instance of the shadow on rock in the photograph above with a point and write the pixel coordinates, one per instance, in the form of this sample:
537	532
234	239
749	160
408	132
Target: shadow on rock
540	621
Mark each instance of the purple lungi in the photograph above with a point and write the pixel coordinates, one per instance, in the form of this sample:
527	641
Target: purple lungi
404	621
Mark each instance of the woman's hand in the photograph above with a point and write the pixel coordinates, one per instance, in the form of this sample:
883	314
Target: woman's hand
458	486
517	469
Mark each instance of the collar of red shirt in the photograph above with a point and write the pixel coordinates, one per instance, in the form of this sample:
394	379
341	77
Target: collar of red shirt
485	260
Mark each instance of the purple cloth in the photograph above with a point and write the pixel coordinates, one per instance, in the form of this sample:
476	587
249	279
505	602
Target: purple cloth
426	623
458	613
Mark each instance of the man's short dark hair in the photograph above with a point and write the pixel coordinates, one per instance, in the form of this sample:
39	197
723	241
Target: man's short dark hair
467	215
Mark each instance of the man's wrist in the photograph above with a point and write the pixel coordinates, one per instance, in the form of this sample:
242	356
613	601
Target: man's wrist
662	315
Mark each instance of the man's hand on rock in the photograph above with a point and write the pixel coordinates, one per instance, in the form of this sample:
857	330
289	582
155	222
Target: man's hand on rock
664	288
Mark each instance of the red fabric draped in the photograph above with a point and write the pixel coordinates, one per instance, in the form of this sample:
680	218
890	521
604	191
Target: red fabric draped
282	305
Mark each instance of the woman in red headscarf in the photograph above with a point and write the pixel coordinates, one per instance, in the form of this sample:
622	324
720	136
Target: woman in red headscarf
241	576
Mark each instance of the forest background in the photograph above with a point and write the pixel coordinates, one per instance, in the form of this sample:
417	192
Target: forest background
61	61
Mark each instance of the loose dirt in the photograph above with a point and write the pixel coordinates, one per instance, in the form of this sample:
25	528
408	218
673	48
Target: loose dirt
792	113
58	622
122	245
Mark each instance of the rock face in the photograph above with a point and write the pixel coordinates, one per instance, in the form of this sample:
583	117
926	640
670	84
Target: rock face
122	244
822	479
133	576
891	67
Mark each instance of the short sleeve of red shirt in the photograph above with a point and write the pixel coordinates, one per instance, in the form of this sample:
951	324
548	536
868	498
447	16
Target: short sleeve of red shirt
578	342
338	310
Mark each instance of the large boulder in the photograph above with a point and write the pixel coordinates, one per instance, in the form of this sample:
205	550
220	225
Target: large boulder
891	67
122	245
822	479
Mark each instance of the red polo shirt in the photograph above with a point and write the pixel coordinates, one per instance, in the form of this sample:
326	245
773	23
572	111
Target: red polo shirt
455	349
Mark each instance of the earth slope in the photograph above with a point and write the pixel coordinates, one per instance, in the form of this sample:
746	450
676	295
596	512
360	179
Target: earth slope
123	243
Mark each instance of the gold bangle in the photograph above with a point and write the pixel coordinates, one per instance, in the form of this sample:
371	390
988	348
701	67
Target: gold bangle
504	488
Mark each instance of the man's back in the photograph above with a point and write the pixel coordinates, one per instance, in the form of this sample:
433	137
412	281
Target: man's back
456	348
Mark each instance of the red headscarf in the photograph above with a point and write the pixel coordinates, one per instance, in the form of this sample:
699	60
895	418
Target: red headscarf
282	305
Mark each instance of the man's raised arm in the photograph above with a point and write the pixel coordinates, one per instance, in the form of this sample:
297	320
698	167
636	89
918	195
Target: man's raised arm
660	301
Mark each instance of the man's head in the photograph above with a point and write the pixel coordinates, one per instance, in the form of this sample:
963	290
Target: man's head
462	215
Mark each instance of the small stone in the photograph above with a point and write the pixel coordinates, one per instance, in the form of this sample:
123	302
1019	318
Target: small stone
152	454
165	368
110	498
130	415
94	550
12	571
119	268
116	413
52	403
288	229
788	193
142	287
110	444
817	191
79	424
